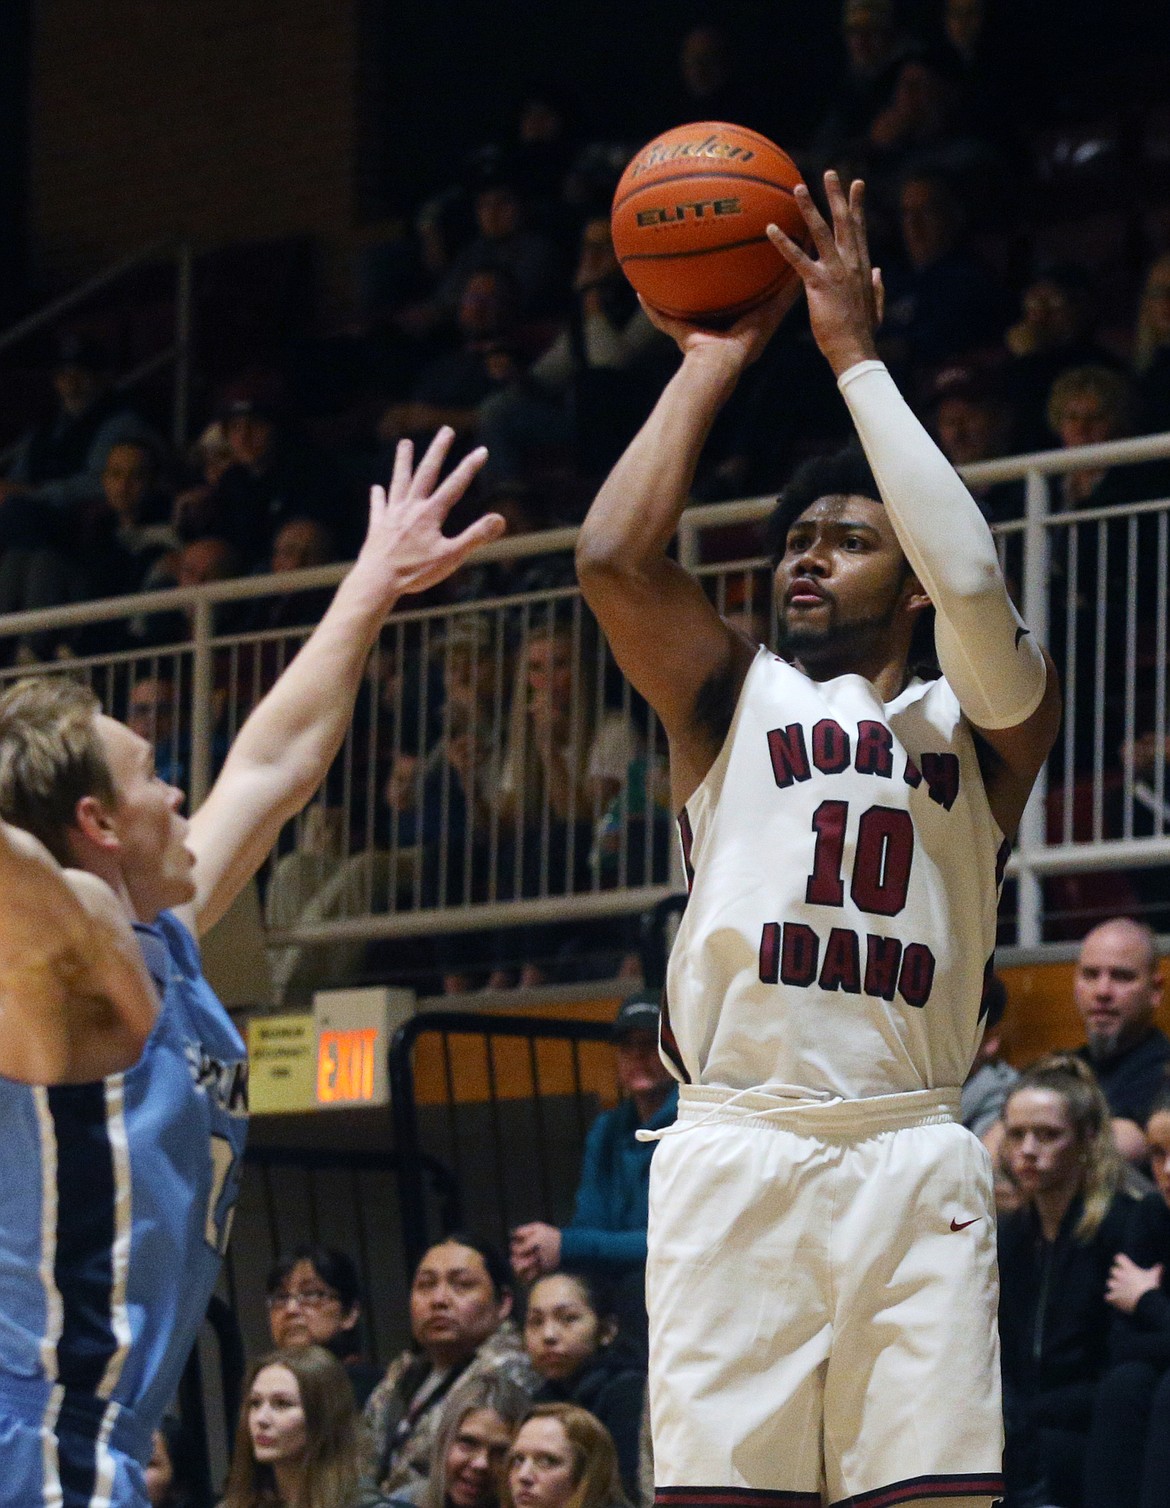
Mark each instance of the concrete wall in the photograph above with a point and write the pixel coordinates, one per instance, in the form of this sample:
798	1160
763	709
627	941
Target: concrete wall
219	120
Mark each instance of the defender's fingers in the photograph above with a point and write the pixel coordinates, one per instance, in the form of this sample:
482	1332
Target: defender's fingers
427	473
400	476
481	532
460	479
879	296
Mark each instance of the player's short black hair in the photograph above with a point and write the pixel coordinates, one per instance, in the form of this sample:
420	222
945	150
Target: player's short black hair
845	473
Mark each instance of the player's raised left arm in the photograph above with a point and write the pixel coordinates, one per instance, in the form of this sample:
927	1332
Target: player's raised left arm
1005	682
285	748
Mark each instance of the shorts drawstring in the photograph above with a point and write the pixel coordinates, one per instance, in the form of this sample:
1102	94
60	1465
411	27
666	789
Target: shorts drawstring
801	1099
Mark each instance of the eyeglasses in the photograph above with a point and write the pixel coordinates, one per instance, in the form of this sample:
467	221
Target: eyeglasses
307	1298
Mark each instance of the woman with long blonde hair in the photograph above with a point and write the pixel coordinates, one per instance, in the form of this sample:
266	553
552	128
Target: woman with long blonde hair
298	1443
1055	1255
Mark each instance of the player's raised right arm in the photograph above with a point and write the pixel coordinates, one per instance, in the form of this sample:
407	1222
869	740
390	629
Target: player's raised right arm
664	632
76	1002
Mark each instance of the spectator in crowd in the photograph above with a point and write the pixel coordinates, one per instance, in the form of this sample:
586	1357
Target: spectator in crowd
199	562
1056	1252
154	713
478	1424
1128	1460
451	387
298	1444
873	46
129	533
567	757
1117	987
462	1330
59	463
571	1335
708	84
942	301
54	485
1146	761
989	48
588	388
924	128
320	880
503	242
973	422
172	1474
1055	331
991	1078
315	1299
1151	349
208	458
563	1458
300	544
1087	406
606	1238
275	475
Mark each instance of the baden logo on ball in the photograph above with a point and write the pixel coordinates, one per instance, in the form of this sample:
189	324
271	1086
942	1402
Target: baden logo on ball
690	220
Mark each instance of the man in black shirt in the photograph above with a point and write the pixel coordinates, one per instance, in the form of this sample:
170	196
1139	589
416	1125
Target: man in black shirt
1117	987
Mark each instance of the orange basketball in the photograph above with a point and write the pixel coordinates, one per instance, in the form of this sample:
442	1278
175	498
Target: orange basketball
689	219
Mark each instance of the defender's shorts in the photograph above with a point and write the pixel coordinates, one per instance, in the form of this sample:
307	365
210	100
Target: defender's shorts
822	1290
61	1450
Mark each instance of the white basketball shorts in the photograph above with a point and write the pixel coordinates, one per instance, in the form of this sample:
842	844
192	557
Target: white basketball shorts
822	1290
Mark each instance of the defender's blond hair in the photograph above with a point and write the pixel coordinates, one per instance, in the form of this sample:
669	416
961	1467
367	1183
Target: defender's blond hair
51	755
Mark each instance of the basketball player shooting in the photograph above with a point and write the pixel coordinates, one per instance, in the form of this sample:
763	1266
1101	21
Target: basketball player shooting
821	1278
123	1096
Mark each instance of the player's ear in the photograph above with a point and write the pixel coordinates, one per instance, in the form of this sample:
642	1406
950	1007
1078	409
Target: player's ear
94	824
607	1332
914	594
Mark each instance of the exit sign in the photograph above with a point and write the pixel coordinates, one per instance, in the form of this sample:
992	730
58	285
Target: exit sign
353	1029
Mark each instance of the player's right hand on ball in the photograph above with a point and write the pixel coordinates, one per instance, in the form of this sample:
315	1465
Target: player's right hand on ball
745	339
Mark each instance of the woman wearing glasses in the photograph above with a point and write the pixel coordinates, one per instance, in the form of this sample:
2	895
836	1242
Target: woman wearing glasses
314	1299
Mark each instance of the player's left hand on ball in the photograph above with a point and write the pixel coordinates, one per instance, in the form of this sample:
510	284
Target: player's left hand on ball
405	545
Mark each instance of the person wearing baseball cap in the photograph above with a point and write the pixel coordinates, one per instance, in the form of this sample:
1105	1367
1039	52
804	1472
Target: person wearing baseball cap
607	1234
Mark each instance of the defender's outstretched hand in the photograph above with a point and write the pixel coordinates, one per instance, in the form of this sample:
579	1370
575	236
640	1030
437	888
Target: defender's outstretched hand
845	294
405	549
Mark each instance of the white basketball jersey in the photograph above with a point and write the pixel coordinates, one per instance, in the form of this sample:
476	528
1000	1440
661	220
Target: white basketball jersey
844	871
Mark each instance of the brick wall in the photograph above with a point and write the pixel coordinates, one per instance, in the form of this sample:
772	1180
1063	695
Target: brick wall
221	120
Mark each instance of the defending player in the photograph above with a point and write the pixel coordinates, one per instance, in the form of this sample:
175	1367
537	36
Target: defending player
123	1098
821	1279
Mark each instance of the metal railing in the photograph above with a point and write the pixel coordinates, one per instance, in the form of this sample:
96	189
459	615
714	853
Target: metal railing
177	355
500	773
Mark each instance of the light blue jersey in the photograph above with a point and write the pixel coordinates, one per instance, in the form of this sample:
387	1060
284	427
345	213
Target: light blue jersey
115	1204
